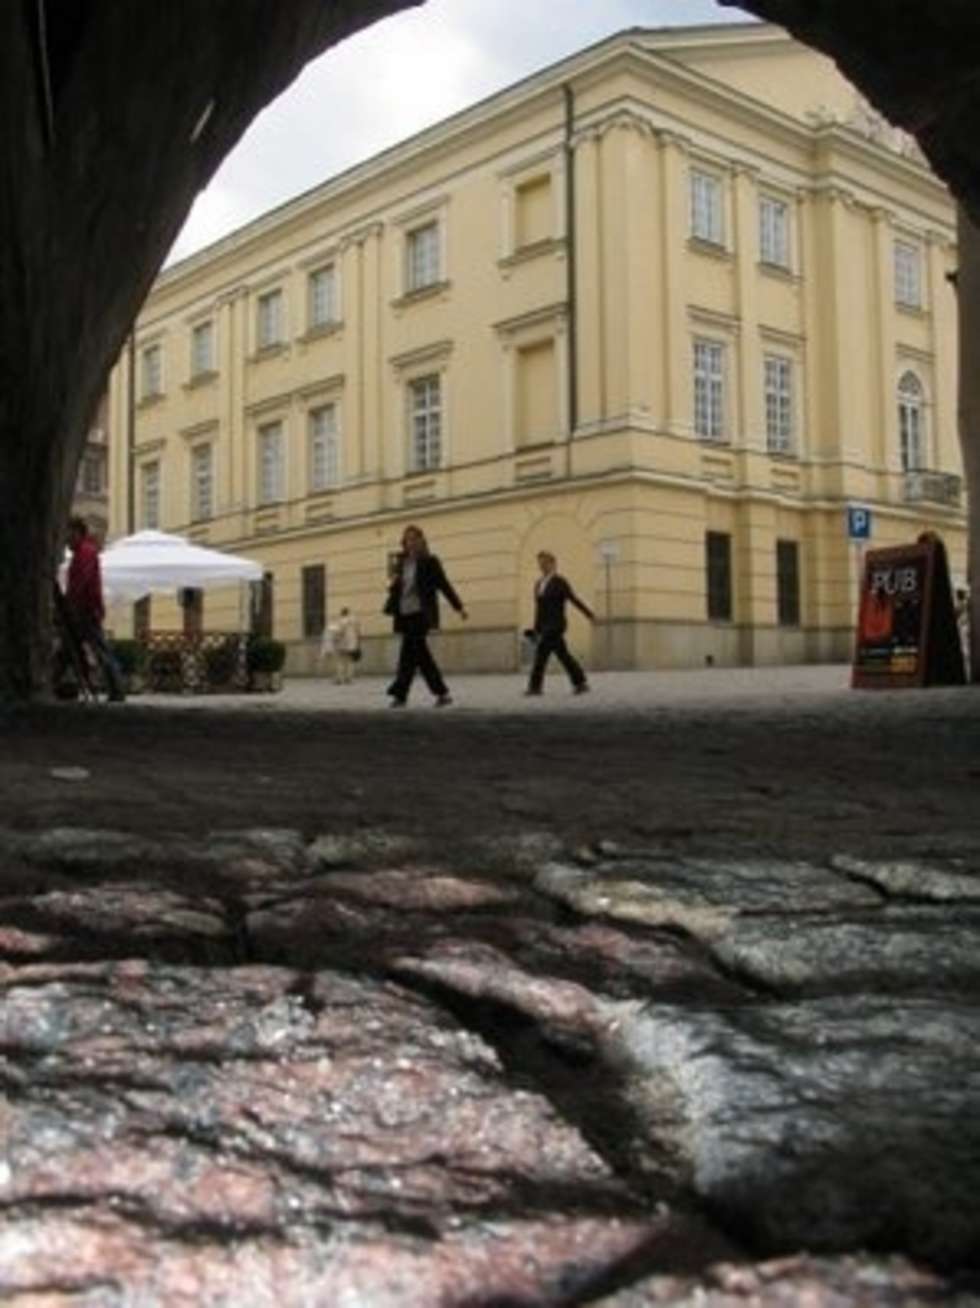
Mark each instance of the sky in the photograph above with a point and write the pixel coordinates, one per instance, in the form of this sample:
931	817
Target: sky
399	76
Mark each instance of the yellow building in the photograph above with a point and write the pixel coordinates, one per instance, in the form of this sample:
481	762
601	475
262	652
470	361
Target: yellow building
667	308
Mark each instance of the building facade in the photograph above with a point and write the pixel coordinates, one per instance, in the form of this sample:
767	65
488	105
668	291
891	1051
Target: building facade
91	498
666	308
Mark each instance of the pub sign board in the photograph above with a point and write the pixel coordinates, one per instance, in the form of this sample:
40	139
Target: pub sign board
906	631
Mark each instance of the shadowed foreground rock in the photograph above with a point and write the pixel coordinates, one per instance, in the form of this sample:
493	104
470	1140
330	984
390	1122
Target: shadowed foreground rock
262	1069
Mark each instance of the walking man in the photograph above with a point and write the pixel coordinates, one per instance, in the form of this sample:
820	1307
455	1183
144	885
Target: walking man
86	609
551	593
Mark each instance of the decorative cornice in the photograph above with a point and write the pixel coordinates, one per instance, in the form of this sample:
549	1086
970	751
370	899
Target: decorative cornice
436	351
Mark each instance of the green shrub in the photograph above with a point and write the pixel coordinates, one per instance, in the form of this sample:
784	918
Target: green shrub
165	669
265	655
130	656
220	664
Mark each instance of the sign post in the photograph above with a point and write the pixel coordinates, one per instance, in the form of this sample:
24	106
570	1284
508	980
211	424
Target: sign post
859	534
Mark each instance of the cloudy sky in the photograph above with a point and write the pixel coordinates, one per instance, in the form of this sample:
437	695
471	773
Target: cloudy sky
398	77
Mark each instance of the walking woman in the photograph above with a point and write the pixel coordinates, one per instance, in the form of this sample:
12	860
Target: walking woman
413	603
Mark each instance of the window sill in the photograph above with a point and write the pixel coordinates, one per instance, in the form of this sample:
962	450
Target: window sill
714	442
713	249
321	330
911	310
201	379
532	251
268	352
420	293
781	271
148	401
783	456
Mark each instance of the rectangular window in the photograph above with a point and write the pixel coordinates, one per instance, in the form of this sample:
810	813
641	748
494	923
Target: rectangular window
269	321
92	480
314	600
423	257
774	232
150	496
322	290
534	218
778	383
151	372
261	606
908	275
202	483
270	463
425	417
709	390
202	349
537	394
706	215
324	467
788	583
718	567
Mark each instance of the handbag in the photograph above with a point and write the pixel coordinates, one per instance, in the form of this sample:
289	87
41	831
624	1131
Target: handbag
355	656
390	608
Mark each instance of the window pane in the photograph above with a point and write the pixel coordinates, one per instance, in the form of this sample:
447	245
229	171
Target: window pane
150	496
709	390
426	424
788	582
718	566
201	483
911	422
270	463
423	257
779	404
202	348
152	370
324	448
323	297
774	232
908	275
706	207
270	326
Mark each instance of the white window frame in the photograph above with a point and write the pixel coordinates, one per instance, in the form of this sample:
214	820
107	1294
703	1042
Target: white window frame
707	197
908	275
202	482
426	422
323	428
270	319
774	231
322	297
150	495
780	402
710	366
423	263
911	422
270	452
151	371
202	360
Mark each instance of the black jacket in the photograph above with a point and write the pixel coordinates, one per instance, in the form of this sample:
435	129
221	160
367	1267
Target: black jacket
549	607
430	578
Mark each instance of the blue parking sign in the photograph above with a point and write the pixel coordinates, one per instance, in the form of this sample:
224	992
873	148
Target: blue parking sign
858	522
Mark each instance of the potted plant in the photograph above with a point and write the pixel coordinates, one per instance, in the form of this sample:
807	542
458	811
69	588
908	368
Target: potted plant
130	658
220	665
265	659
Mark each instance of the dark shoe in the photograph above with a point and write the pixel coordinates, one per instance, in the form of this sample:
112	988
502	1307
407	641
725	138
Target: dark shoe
396	702
117	699
533	690
582	688
443	701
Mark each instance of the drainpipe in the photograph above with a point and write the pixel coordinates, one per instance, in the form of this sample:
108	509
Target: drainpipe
570	267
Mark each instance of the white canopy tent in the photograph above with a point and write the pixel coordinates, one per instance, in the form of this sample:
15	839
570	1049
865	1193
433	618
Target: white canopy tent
149	561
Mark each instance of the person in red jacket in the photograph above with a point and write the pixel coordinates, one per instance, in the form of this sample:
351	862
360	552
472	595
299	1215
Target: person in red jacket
86	608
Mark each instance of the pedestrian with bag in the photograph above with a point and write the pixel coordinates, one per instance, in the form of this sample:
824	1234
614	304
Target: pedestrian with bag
344	637
551	594
413	605
85	607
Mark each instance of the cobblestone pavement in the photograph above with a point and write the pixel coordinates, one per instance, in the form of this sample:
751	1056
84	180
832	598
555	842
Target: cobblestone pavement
743	688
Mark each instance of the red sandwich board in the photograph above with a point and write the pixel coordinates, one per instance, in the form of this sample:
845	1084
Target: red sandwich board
906	631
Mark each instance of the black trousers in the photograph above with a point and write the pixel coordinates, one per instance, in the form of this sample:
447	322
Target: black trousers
413	656
553	642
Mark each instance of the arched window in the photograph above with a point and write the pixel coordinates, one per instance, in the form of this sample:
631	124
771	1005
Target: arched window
911	422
